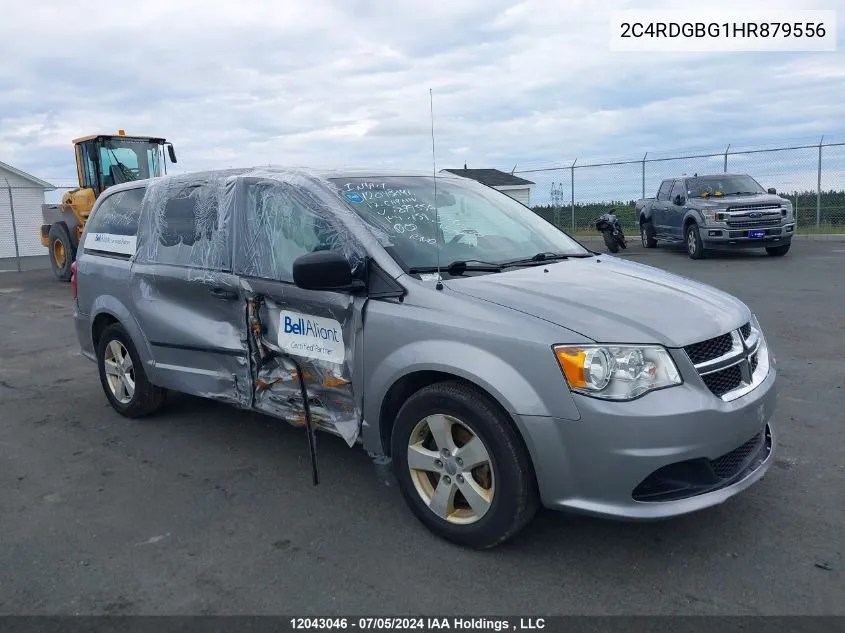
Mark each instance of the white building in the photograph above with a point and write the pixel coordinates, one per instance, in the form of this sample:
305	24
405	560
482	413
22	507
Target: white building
27	196
517	188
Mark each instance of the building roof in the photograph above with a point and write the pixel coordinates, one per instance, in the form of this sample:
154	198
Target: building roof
490	177
22	174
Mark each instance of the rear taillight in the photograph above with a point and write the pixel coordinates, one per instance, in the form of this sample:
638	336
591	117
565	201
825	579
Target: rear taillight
73	279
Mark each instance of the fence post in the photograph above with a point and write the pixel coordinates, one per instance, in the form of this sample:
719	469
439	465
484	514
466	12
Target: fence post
819	188
572	183
644	157
726	158
14	226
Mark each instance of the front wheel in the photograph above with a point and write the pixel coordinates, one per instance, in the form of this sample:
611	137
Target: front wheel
461	466
610	242
123	377
62	251
778	251
695	247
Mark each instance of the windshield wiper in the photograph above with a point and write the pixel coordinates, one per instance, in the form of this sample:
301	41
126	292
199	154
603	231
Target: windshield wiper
540	258
459	267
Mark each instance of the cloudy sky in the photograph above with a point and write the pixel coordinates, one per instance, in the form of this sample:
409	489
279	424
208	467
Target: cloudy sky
337	82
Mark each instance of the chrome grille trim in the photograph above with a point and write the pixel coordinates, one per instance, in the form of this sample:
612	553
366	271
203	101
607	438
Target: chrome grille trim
770	206
750	353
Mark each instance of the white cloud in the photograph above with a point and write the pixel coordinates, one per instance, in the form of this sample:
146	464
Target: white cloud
331	82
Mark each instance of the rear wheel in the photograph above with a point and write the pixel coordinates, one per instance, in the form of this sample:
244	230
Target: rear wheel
122	375
610	242
461	466
62	250
695	248
778	251
647	234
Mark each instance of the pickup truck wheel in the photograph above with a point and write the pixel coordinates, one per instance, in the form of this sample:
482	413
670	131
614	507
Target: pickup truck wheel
695	248
461	466
122	375
778	251
647	234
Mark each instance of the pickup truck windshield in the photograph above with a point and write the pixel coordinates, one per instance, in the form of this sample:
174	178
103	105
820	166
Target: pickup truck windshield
476	223
707	186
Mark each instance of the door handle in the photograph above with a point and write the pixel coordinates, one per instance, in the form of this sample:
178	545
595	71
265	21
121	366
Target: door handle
221	293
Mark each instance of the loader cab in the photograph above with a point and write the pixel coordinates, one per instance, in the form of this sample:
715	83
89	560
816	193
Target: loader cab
106	160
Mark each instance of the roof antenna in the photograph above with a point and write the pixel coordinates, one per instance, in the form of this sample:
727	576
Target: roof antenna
439	285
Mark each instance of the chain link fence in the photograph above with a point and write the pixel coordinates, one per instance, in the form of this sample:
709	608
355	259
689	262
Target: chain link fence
20	223
573	194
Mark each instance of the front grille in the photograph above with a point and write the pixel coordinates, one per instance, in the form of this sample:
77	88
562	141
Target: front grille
731	463
709	349
752	223
721	382
727	363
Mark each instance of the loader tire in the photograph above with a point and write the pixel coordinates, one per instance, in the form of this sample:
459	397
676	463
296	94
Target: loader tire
62	250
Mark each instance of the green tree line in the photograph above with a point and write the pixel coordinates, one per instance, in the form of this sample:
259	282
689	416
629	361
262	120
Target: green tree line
832	211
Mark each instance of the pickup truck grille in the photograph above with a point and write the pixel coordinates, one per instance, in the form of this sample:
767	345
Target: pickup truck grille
727	363
752	223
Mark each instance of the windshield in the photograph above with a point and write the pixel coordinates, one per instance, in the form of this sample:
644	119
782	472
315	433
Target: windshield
128	160
476	223
707	186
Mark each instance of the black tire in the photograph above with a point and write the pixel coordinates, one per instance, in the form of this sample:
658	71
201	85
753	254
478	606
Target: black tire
647	234
515	498
59	239
695	247
147	398
778	251
610	242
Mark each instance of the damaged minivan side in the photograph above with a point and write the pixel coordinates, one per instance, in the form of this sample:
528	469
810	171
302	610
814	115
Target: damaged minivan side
495	362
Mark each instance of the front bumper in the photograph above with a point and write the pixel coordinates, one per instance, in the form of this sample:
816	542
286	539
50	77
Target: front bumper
669	453
723	236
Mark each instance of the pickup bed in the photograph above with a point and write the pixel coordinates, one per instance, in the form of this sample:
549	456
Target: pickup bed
714	212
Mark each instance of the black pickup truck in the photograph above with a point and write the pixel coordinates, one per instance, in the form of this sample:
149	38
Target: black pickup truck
716	211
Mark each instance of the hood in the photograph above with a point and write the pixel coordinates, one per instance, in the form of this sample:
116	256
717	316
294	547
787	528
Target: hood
723	202
611	300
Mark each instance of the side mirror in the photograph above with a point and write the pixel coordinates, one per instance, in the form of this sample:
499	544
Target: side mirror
324	270
171	152
679	200
772	190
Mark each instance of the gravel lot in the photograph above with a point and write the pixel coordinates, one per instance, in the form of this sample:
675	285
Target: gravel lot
206	509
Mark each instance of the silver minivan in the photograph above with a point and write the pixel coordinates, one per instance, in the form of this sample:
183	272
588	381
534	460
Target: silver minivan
494	362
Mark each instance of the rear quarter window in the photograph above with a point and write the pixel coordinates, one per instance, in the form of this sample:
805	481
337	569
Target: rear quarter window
113	227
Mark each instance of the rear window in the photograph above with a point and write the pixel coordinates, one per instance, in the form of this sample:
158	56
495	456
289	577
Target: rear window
113	227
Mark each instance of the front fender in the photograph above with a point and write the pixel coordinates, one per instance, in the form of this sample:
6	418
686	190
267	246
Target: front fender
499	379
109	304
695	215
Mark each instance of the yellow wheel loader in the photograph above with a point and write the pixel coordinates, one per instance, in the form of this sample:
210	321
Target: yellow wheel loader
101	161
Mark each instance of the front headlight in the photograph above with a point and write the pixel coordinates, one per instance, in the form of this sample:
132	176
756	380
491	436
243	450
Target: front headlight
617	372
